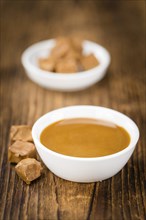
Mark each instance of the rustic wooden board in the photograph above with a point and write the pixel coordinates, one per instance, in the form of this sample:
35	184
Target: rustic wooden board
119	26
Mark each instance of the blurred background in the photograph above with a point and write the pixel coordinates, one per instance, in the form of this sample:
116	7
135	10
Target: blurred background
120	27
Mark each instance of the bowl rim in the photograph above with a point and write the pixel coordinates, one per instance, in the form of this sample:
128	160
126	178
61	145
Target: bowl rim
128	148
25	60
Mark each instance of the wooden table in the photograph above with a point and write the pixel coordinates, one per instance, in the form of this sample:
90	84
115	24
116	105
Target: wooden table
119	26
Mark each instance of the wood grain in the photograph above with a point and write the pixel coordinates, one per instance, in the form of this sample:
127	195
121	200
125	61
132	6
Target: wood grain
120	27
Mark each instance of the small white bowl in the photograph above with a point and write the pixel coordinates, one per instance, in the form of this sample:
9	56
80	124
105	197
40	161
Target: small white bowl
85	169
63	81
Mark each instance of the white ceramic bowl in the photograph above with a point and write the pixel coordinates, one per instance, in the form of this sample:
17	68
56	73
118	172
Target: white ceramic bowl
63	81
85	169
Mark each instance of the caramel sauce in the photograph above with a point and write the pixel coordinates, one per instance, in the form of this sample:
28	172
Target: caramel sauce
85	137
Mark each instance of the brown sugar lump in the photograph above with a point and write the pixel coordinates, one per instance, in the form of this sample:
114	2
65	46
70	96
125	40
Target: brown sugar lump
28	169
89	62
66	66
20	150
47	64
20	133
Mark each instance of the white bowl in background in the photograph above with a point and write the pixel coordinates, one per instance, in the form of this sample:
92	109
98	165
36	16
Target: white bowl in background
80	169
64	81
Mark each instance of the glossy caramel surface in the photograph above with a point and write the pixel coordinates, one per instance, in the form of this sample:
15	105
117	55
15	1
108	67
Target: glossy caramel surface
85	137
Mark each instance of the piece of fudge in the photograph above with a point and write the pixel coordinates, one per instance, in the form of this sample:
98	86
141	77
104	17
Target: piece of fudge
20	150
28	169
47	64
89	62
21	133
66	66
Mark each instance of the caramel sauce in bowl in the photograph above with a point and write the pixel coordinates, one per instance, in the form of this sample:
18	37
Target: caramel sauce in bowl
85	143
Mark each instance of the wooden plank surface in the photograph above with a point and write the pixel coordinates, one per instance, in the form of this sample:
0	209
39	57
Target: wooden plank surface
120	27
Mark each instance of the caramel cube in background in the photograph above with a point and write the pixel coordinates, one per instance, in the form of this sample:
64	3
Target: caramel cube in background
62	40
66	66
21	133
20	150
28	169
89	62
76	43
73	54
60	50
47	64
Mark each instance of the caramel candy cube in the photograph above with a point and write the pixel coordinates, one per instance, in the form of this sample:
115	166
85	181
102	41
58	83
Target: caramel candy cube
62	40
21	133
20	150
76	43
47	64
66	66
60	50
28	169
89	62
73	54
